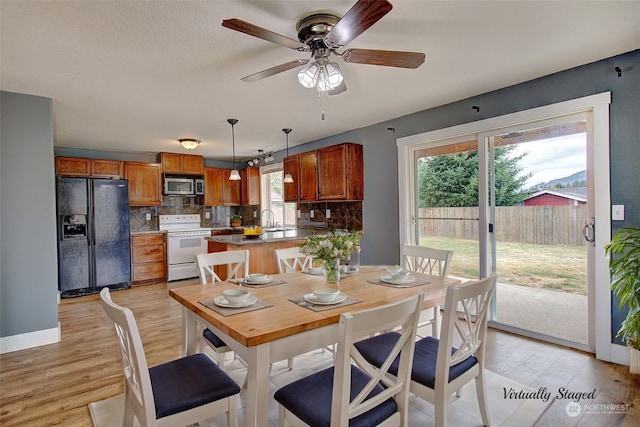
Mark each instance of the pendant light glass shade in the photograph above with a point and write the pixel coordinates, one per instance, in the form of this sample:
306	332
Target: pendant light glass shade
235	175
288	179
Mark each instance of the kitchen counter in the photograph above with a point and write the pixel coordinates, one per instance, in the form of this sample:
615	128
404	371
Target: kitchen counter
266	237
262	257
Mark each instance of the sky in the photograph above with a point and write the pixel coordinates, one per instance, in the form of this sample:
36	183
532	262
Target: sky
553	158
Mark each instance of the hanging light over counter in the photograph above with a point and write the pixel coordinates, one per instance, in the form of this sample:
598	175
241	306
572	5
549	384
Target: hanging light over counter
235	175
287	176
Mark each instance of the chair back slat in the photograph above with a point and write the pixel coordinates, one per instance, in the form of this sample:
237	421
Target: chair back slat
291	259
358	325
138	389
421	259
465	327
237	263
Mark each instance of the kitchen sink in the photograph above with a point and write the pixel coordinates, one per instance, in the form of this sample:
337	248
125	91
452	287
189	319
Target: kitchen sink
277	228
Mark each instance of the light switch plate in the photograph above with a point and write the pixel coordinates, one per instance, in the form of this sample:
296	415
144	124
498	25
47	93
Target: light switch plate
328	213
617	212
147	217
207	215
298	213
310	213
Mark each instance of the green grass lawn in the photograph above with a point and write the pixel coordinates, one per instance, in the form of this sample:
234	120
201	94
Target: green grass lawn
558	267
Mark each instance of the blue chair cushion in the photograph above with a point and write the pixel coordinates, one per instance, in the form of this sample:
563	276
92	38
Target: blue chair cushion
425	355
187	383
213	338
310	399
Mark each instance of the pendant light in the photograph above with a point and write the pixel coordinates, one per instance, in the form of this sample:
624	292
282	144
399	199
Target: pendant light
287	176
235	175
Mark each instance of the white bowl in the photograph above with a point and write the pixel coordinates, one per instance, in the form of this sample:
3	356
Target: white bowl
257	277
236	296
400	275
393	268
325	294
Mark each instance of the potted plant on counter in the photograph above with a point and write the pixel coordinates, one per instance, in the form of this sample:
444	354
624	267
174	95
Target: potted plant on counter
236	220
625	284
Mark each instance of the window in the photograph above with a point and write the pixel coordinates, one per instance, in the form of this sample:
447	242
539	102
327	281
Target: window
272	198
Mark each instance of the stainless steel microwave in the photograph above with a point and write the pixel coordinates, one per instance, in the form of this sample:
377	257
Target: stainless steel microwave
174	186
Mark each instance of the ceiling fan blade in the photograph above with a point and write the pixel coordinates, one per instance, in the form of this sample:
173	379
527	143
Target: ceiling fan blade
270	36
338	90
274	70
361	16
389	58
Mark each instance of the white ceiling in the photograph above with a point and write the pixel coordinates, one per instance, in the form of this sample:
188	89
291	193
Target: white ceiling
137	75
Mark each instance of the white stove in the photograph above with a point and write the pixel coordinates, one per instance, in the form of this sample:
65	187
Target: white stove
185	240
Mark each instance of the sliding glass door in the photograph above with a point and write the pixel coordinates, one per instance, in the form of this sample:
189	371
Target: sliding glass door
514	202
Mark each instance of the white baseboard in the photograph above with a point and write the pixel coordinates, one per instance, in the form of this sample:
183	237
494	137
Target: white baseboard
29	340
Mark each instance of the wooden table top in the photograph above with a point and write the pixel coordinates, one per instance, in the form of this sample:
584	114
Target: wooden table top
286	318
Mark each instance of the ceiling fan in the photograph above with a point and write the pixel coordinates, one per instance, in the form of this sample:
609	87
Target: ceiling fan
323	34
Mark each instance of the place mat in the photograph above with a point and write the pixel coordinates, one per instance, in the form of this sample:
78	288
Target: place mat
228	311
241	282
317	307
417	282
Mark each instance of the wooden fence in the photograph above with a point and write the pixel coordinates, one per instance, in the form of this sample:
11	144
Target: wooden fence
546	225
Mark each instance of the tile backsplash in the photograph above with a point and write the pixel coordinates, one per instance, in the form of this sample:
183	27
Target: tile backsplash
344	215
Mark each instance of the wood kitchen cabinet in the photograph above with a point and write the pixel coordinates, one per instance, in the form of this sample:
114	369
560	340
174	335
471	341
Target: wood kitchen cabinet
75	166
145	183
250	186
148	258
303	169
218	190
340	172
184	164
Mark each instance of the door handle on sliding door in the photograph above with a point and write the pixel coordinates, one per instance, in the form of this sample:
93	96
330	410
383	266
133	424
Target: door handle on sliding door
589	232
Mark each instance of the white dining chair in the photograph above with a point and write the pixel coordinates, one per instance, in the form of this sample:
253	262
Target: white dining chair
237	265
291	259
422	259
180	392
353	391
440	369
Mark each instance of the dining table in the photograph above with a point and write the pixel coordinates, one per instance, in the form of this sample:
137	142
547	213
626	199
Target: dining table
285	320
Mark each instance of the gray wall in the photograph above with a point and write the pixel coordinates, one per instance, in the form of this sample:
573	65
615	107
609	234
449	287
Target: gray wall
29	272
380	209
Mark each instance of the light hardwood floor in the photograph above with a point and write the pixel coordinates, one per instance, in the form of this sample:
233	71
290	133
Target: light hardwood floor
52	385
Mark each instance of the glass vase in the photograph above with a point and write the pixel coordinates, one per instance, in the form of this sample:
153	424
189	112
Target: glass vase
331	271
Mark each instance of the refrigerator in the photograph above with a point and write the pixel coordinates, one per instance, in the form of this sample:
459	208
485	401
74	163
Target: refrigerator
93	235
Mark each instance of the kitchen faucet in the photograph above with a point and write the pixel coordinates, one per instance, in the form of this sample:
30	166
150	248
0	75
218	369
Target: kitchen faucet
273	217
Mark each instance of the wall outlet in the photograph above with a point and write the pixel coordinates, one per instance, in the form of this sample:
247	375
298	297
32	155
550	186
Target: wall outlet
255	214
310	213
207	215
147	217
328	215
617	212
298	213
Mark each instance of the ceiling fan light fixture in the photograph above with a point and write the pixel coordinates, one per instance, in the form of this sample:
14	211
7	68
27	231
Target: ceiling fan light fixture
330	77
189	143
308	76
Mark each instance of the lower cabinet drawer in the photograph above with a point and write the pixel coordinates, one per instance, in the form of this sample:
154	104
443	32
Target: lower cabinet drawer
150	253
148	271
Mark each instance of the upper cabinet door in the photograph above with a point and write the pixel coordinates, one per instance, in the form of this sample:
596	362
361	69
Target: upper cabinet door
250	186
308	174
230	190
71	166
212	187
188	164
145	183
291	189
340	172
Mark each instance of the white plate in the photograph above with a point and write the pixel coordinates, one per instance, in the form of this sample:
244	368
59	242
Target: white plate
311	298
389	279
264	281
222	302
316	272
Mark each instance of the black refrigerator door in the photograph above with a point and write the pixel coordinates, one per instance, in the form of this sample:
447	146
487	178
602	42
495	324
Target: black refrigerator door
110	233
74	273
